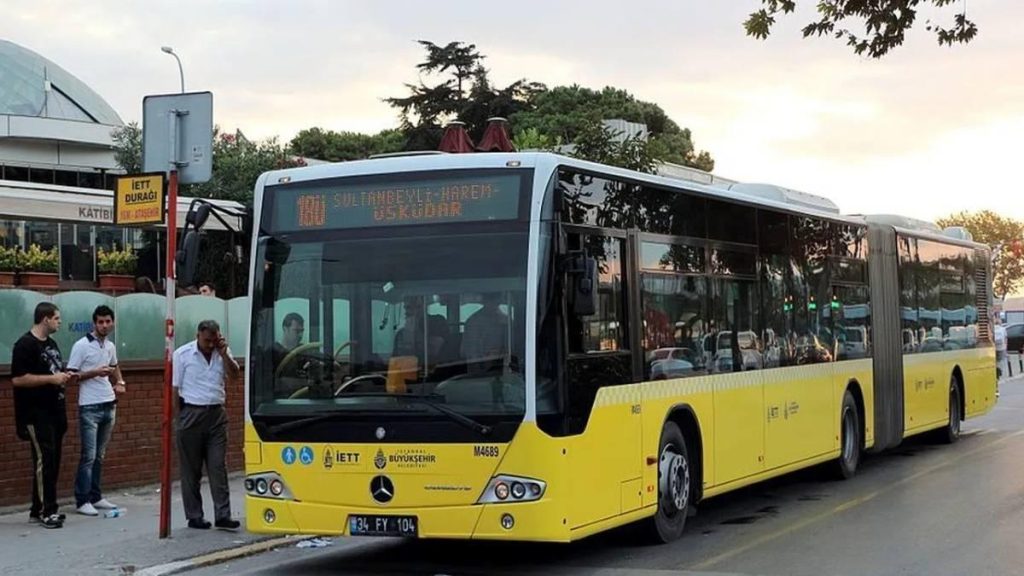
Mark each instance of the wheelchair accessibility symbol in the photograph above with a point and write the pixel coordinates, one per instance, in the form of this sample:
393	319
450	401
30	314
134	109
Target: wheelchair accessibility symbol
306	455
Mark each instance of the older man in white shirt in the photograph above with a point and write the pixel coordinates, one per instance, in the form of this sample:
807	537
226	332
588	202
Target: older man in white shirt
200	370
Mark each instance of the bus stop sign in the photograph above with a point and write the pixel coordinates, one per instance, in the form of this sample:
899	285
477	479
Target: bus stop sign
177	133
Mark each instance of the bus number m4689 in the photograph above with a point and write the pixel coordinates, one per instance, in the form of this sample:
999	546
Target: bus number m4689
485	451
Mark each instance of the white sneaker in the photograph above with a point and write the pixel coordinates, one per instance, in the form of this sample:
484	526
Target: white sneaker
87	510
104	504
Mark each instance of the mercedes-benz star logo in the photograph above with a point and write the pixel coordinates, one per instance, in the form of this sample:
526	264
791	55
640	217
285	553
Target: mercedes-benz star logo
382	489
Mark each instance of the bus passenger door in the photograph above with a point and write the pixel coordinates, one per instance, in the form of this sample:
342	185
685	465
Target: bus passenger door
603	404
737	359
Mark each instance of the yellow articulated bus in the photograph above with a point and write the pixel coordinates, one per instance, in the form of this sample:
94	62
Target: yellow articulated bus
531	347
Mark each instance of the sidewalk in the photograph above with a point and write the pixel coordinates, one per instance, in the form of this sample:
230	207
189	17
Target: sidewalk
121	545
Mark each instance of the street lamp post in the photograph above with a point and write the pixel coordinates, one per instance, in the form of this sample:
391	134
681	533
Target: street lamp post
181	73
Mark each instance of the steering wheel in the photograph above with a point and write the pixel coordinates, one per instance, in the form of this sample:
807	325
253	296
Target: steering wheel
341	348
357	379
304	348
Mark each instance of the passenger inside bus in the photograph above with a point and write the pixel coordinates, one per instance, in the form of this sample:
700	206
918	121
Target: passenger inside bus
485	337
423	335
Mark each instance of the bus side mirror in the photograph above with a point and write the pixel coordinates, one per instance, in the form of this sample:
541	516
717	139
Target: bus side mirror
583	284
197	216
187	259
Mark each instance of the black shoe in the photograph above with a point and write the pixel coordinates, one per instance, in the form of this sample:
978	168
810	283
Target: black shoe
228	524
52	521
62	517
199	524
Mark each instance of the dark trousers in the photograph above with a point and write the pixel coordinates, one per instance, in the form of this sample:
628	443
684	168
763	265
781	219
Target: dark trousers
46	437
203	439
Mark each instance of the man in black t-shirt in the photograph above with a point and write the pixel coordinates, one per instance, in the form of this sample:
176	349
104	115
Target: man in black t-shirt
39	377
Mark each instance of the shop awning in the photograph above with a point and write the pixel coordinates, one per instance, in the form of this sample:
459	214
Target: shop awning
31	201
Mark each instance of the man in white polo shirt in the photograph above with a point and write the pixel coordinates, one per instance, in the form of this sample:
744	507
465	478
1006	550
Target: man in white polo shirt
94	359
200	369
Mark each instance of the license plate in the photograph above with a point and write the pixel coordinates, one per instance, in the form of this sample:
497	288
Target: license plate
373	525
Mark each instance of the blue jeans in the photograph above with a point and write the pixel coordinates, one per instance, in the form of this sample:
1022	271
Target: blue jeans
95	423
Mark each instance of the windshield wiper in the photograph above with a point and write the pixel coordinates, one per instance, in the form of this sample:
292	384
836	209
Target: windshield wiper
302	423
429	400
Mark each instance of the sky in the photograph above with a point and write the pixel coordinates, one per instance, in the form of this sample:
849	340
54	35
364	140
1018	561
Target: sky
924	132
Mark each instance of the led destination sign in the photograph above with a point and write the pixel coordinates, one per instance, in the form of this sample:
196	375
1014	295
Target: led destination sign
477	198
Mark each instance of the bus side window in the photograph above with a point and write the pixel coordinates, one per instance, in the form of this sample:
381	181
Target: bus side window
606	330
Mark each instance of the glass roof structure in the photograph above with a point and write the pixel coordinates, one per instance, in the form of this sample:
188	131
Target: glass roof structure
31	85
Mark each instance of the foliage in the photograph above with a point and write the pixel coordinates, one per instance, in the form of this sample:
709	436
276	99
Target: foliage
10	259
117	261
35	259
342	146
463	92
532	139
885	22
128	147
540	119
1004	235
597	143
564	112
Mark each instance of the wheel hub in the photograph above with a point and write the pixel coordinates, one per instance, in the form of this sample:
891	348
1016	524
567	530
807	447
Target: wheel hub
673	481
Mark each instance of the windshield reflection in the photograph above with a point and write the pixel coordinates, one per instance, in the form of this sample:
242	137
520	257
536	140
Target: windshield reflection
353	324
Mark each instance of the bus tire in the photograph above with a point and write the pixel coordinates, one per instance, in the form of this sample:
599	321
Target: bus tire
951	433
850	440
674	486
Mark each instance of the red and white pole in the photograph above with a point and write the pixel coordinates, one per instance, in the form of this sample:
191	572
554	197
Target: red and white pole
168	412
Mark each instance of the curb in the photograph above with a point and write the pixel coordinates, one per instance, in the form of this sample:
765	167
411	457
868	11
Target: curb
218	557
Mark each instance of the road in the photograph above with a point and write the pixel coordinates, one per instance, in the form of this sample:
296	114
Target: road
920	509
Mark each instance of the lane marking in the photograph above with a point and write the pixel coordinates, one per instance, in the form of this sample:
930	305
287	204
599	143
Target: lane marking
848	505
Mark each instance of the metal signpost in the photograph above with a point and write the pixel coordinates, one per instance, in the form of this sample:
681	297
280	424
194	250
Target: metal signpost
177	138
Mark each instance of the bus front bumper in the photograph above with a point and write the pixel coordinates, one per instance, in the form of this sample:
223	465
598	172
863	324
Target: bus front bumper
540	521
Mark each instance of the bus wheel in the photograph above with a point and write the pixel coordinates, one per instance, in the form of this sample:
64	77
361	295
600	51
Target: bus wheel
952	431
850	443
674	484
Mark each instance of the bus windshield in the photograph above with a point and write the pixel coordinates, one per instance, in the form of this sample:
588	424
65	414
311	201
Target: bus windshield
352	322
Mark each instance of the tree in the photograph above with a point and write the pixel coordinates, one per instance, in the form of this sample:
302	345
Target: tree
564	112
343	146
465	94
128	147
598	143
1005	236
884	22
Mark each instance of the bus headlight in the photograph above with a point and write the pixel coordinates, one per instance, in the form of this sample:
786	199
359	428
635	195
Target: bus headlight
501	491
518	490
267	485
505	488
276	487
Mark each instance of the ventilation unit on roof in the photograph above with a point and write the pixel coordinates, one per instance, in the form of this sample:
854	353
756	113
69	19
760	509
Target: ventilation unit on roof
958	232
786	196
898	221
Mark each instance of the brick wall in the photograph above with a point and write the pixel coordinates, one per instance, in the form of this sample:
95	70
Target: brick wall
133	455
